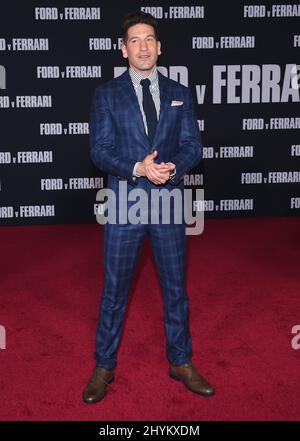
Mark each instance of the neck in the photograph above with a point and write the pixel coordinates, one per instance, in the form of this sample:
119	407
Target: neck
144	73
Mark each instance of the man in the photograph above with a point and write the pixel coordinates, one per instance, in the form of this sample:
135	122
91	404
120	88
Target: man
144	133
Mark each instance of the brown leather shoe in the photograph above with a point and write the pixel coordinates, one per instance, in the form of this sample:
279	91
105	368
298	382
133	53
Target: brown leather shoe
190	377
97	386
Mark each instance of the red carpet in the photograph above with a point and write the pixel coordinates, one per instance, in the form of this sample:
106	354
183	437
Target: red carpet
243	283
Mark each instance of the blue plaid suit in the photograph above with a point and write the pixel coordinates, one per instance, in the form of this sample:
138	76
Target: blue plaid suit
118	141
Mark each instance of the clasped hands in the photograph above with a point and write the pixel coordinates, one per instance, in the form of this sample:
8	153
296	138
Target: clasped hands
156	173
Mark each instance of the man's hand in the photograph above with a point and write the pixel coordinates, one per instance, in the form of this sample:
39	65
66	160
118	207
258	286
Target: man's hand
156	173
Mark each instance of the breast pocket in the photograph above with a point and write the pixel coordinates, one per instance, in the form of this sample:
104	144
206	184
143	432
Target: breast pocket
174	114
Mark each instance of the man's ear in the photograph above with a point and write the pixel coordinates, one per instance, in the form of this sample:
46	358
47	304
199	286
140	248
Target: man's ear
124	51
159	47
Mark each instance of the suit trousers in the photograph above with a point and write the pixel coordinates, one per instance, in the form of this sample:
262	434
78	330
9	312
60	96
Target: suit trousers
122	244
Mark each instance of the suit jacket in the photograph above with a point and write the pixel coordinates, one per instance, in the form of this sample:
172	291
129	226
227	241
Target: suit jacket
118	138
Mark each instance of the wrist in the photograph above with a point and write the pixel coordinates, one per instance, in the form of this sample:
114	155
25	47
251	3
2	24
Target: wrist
140	170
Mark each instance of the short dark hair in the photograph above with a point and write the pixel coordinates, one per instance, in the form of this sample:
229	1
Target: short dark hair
137	17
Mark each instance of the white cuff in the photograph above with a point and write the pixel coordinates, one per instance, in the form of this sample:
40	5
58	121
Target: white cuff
134	170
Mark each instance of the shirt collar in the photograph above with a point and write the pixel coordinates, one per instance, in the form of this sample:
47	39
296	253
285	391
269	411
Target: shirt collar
136	77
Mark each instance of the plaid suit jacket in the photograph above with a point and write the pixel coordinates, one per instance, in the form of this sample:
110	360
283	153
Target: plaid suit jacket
118	138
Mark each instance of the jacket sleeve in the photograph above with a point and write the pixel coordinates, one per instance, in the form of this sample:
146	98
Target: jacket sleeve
104	152
190	148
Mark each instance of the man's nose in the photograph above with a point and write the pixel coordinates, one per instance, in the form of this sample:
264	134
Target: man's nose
143	45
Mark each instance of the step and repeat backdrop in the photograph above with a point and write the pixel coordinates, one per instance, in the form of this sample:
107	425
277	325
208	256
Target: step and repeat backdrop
240	59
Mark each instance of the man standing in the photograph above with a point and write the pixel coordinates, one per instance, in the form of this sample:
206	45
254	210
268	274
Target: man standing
144	132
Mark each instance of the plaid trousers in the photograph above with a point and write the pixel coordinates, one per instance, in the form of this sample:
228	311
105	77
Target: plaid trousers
122	244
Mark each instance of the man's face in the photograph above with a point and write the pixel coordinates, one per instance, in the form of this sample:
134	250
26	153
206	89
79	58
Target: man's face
141	48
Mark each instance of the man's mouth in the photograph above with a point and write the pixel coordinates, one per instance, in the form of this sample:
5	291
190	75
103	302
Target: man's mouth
144	57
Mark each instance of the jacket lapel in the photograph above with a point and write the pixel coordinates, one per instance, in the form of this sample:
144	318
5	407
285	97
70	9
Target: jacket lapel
130	101
165	101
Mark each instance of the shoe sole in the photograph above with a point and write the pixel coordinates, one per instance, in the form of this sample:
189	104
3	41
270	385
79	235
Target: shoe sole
97	401
174	377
